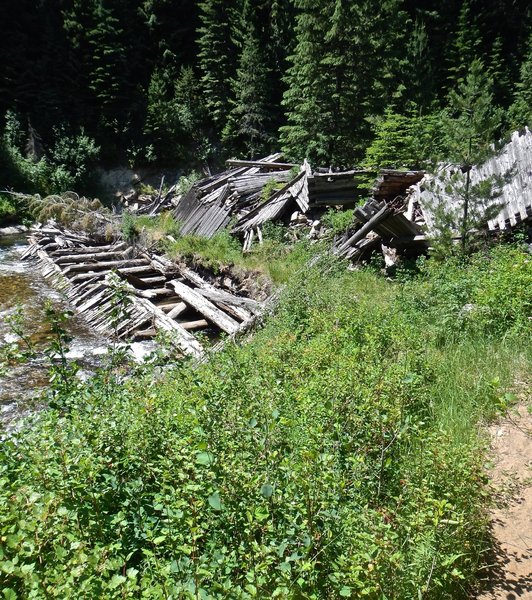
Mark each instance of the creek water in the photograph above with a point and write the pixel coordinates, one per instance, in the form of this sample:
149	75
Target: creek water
23	288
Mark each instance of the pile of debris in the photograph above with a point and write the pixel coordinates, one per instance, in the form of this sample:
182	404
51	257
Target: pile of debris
131	294
236	193
398	217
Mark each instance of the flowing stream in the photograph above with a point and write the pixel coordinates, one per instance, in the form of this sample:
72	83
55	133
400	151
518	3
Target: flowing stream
22	285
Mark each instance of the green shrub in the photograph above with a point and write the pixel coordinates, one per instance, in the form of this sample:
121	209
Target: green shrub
338	221
8	210
67	166
318	461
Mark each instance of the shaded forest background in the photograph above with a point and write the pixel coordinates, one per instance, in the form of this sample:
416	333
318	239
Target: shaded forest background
188	83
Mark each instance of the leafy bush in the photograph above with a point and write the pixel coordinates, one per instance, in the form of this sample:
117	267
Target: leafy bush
8	210
488	294
67	165
314	462
338	221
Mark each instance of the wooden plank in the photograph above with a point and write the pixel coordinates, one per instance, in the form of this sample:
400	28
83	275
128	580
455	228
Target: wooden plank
274	166
75	258
186	341
100	274
178	309
365	229
216	295
91	249
118	265
205	307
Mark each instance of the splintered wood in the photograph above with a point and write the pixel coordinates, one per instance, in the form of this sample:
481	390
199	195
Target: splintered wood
127	293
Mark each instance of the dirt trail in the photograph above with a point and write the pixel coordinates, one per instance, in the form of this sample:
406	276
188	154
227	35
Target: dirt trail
511	518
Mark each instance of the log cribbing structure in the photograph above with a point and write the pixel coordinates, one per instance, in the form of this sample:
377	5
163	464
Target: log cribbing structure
128	293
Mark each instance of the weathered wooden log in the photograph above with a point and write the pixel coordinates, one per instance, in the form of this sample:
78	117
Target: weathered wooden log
178	309
97	256
273	166
91	249
192	325
118	265
365	229
205	307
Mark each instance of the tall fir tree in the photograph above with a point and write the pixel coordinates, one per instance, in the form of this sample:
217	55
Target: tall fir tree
217	57
254	117
342	72
466	45
521	109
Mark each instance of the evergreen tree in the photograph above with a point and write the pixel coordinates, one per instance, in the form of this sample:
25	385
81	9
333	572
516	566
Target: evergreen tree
471	123
499	73
466	45
176	119
253	119
410	140
341	73
217	57
521	109
249	123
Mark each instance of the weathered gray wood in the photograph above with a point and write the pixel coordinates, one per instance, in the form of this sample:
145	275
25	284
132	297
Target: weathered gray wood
274	166
99	274
118	247
97	256
192	325
186	341
107	265
365	229
216	295
178	309
205	307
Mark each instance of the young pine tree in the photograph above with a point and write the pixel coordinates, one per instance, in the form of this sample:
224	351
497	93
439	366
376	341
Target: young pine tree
470	124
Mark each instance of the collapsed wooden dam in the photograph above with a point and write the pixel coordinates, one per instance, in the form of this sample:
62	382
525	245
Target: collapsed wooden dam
132	294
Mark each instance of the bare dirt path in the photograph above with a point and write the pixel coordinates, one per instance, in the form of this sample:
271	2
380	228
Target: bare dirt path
510	576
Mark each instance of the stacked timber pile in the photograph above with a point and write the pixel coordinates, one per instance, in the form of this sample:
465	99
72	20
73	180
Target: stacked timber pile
125	292
381	225
342	188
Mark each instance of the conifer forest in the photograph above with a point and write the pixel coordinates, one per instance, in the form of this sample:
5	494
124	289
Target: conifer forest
191	82
265	299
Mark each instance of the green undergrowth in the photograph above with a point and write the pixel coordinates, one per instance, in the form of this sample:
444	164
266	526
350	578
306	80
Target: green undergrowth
276	258
337	454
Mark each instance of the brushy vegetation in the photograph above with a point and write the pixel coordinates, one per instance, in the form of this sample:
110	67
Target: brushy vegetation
335	455
274	258
27	168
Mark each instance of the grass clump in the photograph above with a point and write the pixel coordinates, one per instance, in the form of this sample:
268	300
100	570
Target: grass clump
274	258
335	455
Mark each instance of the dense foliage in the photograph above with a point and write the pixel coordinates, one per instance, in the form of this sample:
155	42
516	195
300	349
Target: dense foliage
330	457
189	81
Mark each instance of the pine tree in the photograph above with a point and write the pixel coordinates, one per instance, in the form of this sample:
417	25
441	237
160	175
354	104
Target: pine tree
251	123
217	57
471	123
499	73
300	136
466	45
521	109
341	74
